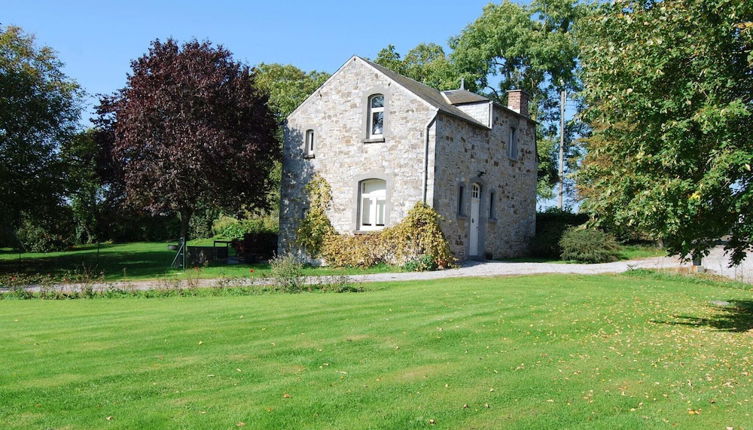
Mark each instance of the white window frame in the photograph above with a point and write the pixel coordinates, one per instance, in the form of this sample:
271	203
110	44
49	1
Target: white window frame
370	120
377	205
512	147
310	143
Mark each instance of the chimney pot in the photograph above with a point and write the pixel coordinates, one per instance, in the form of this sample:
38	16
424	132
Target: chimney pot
517	100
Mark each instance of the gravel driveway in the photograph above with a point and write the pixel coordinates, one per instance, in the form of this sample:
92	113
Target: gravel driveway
468	269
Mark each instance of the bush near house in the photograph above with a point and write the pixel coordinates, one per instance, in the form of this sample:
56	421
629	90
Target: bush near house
551	225
416	243
589	246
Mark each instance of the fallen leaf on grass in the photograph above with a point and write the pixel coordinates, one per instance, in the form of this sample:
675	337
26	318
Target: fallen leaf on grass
240	424
694	412
286	396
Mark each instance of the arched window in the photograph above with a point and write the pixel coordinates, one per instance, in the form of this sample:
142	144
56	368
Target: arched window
372	198
376	116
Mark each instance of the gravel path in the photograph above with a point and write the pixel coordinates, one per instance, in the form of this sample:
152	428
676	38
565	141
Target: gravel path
504	268
468	269
718	262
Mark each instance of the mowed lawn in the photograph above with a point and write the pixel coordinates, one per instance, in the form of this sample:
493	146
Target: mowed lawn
141	260
553	351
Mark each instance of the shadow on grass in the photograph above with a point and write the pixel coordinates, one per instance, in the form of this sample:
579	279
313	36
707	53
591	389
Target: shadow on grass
123	263
736	316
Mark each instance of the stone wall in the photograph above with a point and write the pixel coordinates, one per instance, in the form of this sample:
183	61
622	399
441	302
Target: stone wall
337	114
457	152
463	152
478	111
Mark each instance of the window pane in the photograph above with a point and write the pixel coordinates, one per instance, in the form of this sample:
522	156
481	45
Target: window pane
366	211
460	200
310	141
380	212
374	186
377	122
377	101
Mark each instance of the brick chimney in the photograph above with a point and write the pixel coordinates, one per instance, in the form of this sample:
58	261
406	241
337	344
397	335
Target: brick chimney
517	100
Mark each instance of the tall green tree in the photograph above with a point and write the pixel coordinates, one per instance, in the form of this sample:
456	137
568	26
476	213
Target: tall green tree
669	87
286	86
530	47
426	63
39	110
84	190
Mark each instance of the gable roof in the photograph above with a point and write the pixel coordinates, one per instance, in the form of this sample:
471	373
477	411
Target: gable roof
428	94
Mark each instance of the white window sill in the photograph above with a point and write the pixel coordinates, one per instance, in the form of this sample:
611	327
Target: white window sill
374	140
373	230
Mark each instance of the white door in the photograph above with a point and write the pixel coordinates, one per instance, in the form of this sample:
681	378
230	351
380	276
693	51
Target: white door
475	199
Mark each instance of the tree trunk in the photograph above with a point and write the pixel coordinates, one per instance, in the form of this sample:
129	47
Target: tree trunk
185	218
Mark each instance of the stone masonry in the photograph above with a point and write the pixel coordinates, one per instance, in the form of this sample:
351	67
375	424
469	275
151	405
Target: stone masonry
429	148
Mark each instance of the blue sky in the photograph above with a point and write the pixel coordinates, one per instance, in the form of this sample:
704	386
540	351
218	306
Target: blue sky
97	39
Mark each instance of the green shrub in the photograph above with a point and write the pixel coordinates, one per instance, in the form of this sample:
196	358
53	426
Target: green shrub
422	263
37	238
589	246
233	228
287	273
546	243
551	225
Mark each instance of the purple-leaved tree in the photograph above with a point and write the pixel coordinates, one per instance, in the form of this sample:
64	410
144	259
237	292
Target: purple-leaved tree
189	128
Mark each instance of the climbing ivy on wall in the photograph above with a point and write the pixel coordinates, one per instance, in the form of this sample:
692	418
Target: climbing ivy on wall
315	226
418	237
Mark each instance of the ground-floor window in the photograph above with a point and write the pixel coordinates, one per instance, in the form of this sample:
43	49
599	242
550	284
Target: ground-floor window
372	204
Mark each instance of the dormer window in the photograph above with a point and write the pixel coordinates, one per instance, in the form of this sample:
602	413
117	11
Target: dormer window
376	116
309	150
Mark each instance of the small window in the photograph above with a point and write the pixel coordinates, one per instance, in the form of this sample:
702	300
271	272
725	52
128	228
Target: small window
491	206
461	191
512	148
373	203
475	191
376	116
309	150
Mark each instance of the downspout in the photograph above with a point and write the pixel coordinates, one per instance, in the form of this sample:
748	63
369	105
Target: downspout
426	158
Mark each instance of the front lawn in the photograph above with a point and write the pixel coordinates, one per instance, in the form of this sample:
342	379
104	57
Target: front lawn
546	351
140	260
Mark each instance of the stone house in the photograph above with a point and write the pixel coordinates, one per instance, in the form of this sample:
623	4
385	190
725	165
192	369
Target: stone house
385	142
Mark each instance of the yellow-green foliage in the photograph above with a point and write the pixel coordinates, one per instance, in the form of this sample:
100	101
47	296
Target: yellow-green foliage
315	225
416	236
363	250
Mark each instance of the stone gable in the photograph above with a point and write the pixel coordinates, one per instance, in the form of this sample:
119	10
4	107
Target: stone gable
424	156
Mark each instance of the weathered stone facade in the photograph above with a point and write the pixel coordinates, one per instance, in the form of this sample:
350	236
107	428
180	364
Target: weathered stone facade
427	151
